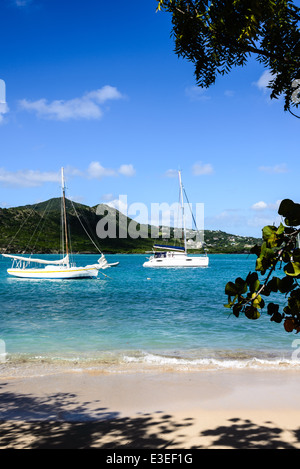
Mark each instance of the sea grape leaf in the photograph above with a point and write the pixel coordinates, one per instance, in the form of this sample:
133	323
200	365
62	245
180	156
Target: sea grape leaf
280	230
286	207
296	255
292	269
291	211
273	310
237	288
256	250
273	284
289	325
241	285
285	284
257	301
230	289
253	282
252	313
279	248
268	231
236	310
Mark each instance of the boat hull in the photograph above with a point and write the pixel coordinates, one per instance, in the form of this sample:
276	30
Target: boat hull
182	261
65	273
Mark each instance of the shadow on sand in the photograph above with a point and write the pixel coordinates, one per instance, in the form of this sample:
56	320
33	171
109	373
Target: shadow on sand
58	421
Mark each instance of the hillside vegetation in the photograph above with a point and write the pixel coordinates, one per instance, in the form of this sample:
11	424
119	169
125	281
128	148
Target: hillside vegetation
37	229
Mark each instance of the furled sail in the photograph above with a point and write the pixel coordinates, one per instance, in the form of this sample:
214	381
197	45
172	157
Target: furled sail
63	261
170	248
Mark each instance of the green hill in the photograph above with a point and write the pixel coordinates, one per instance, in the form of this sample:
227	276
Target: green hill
37	229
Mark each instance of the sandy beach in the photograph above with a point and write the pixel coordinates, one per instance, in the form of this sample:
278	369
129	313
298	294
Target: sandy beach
154	410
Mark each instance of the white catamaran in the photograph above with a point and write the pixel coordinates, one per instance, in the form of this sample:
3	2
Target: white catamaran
173	256
59	269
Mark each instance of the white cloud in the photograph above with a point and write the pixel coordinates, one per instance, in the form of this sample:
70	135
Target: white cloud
277	169
261	205
195	93
127	170
27	177
97	171
119	204
261	221
200	169
264	80
33	178
104	94
85	107
171	173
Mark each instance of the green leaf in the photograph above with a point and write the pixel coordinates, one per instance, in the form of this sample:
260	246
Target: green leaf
231	302
286	284
286	256
253	282
241	285
256	250
291	211
296	255
273	284
286	207
230	289
252	313
272	308
257	301
236	310
268	231
237	288
280	230
292	269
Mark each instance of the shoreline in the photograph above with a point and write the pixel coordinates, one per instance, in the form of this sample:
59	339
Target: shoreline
208	409
25	366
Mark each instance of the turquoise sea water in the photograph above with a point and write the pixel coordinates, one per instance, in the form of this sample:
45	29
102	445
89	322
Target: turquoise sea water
138	318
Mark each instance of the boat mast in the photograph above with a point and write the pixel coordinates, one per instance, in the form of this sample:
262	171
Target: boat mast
64	207
182	208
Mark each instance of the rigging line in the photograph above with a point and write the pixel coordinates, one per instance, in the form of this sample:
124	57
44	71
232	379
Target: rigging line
32	211
68	228
190	209
33	247
87	224
62	239
176	222
44	220
105	275
178	212
193	216
92	241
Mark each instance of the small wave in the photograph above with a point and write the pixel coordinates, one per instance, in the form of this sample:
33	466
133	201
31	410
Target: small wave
198	364
141	361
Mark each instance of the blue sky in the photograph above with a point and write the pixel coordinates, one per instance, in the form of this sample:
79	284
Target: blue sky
96	87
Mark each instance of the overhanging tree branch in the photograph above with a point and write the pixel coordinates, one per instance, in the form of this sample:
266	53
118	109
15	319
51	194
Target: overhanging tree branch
264	28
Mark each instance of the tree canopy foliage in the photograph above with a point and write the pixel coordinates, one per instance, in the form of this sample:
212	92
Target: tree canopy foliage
280	249
218	35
